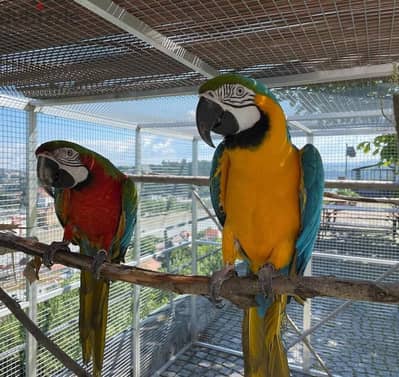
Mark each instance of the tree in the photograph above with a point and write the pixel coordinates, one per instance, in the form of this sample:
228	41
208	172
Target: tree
386	146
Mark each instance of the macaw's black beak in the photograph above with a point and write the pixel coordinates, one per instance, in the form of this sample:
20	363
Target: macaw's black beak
211	117
51	175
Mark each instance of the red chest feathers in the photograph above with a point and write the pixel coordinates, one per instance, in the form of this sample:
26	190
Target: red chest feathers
93	212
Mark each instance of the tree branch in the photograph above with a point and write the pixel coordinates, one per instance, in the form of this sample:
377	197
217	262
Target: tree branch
14	308
240	291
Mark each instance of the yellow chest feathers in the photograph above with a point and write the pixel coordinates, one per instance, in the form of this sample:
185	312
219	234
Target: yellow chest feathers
261	201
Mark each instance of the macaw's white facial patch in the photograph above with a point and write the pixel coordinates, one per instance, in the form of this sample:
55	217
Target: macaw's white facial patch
79	173
69	160
66	163
239	101
246	117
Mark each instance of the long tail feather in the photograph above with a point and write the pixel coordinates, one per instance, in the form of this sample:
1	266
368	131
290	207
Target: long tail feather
93	319
264	354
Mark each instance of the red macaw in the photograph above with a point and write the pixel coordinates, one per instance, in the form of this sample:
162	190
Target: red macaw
96	204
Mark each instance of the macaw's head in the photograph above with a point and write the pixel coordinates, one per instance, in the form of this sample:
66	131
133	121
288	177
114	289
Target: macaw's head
238	108
62	164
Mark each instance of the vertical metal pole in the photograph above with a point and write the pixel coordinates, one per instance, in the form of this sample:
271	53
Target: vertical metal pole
307	308
194	236
136	256
307	324
31	179
309	138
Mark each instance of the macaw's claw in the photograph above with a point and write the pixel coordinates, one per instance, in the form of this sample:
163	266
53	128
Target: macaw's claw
98	262
265	276
48	256
217	280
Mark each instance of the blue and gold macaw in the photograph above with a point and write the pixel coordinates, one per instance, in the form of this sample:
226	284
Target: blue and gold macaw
267	195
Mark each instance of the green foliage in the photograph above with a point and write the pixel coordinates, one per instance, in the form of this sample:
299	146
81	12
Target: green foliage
154	299
154	207
11	332
210	263
148	244
386	146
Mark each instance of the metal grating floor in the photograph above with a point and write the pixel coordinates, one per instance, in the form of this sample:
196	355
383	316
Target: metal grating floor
353	343
204	362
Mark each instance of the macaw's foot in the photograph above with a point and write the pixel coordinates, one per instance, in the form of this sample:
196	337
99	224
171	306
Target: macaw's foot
265	276
98	262
217	280
48	256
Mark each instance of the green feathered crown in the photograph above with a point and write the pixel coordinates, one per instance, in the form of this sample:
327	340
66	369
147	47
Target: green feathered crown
104	162
231	78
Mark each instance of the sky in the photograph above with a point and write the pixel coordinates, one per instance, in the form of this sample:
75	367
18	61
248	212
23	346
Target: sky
118	144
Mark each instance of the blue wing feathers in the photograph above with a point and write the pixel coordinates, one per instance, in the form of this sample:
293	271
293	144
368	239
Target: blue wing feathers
311	201
215	183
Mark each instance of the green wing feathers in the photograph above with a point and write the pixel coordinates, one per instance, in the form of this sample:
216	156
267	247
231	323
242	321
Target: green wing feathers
93	319
264	354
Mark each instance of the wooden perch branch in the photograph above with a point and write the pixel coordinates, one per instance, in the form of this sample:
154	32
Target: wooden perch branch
240	291
40	337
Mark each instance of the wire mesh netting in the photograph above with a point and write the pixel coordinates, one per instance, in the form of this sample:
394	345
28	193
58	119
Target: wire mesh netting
13	202
54	49
357	240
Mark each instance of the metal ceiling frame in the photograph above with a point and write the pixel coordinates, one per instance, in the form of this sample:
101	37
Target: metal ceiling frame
337	115
162	127
319	77
118	16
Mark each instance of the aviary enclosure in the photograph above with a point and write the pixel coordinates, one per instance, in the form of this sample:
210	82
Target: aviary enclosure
90	72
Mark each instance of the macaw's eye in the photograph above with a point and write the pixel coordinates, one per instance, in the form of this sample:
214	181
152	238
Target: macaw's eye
66	154
240	91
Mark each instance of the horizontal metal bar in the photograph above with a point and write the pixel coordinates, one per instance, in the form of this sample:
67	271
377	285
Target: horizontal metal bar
85	116
120	17
346	131
167	125
204	181
340	115
12	351
128	95
206	242
219	348
370	71
300	126
352	184
319	77
380	262
173	179
377	261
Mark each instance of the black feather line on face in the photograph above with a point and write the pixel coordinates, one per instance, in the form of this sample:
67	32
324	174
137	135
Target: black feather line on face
250	138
